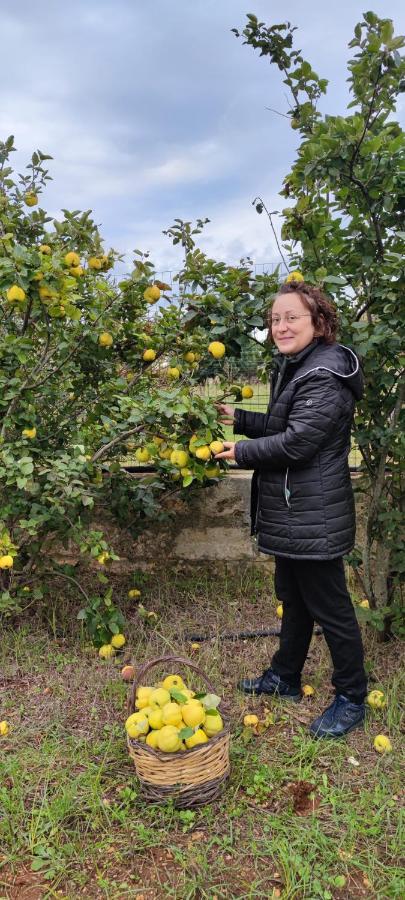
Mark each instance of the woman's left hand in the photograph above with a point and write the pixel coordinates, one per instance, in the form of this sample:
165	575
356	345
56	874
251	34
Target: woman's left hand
228	453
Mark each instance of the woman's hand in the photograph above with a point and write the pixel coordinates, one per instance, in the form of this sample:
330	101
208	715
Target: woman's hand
226	412
228	453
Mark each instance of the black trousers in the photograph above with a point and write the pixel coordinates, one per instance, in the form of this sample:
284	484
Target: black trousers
315	590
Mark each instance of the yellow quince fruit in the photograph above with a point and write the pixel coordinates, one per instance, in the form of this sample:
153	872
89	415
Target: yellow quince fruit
217	349
216	447
376	699
203	453
168	739
173	681
247	392
15	294
71	259
171	714
149	354
137	724
213	724
152	740
199	737
193	713
106	651
30	198
152	293
118	641
382	744
159	697
294	276
105	339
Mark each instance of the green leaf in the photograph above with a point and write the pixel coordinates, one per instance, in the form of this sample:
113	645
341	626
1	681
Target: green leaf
186	733
210	700
178	696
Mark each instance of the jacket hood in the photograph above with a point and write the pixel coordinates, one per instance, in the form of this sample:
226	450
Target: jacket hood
337	359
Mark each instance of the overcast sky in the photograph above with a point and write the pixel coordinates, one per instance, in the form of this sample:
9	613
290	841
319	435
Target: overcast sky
154	110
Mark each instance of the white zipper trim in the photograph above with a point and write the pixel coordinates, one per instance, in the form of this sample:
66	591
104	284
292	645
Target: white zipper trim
287	492
326	368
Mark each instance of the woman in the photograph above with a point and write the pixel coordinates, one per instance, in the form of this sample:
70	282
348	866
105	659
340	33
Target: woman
302	500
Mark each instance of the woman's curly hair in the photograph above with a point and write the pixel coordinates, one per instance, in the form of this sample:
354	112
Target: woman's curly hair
323	312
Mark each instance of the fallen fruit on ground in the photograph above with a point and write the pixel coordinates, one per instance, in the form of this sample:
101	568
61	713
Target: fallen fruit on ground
149	355
128	673
4	728
134	592
118	641
308	690
364	604
382	744
106	651
250	719
376	699
279	611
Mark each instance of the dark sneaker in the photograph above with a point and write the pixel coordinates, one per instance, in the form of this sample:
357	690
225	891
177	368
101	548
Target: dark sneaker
338	719
270	683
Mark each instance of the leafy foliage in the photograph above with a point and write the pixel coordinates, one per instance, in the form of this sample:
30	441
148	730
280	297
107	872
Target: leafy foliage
78	397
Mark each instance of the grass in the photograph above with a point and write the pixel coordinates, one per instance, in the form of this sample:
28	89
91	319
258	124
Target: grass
72	822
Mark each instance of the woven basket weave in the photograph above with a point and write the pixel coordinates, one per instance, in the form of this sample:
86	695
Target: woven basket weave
190	778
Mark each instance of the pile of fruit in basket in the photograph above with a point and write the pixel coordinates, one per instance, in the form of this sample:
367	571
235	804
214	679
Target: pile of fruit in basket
171	718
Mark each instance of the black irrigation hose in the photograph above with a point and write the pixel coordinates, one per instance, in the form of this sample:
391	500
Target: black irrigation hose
240	636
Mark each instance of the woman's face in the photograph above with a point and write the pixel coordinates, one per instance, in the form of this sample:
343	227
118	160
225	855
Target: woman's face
291	327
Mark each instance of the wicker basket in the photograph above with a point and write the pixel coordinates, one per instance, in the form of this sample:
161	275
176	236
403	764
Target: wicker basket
191	778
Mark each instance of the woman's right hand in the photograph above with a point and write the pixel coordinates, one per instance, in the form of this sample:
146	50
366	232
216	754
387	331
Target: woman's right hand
226	413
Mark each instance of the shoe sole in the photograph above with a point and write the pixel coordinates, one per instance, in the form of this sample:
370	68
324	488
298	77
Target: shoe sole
335	737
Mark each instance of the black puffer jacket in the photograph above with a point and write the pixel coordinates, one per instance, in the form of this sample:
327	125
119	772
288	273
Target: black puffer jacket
299	451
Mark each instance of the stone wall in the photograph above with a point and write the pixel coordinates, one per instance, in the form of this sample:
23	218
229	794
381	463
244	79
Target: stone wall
214	527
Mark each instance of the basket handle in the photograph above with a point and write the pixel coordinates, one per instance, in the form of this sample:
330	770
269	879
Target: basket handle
139	676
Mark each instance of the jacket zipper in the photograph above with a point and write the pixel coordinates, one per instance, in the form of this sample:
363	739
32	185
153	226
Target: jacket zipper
257	507
287	492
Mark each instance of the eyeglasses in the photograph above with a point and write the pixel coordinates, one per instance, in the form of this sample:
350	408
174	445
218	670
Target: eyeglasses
290	318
